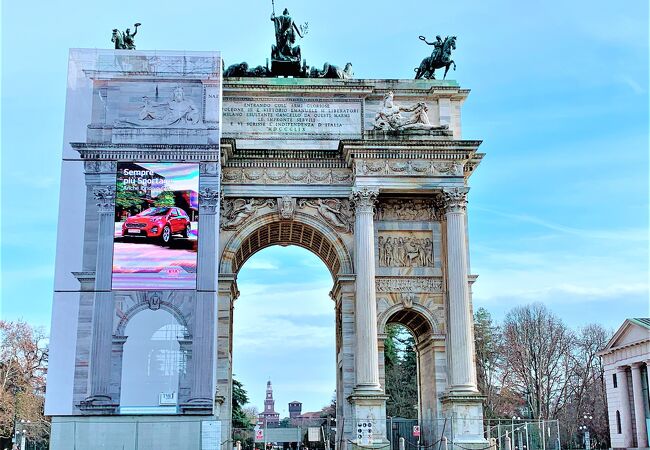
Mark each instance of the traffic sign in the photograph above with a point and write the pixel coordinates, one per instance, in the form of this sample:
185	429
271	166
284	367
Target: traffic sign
259	435
416	431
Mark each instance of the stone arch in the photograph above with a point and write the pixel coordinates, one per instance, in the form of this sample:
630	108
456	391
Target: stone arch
141	306
431	367
303	231
417	318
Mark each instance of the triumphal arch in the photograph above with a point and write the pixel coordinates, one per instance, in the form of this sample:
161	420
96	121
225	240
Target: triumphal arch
174	175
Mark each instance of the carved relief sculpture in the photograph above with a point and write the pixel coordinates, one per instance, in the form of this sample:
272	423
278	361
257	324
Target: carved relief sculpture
390	117
178	111
413	209
236	212
334	211
286	207
405	251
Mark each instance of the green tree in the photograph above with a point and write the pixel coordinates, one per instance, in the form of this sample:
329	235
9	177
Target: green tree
490	367
239	399
400	362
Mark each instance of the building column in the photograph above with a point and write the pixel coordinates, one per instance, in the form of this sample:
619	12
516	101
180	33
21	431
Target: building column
367	354
100	399
367	398
463	369
624	402
462	402
227	294
639	407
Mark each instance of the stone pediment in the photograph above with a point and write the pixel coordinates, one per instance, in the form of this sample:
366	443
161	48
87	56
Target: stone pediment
633	331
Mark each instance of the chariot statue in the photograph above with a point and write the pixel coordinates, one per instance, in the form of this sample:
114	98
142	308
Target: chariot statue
440	57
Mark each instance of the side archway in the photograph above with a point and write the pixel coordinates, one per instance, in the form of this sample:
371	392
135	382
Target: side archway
431	360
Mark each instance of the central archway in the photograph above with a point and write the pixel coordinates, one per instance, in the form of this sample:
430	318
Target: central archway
267	229
304	231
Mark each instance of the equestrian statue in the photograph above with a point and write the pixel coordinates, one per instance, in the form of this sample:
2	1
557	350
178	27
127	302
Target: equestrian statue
124	41
440	57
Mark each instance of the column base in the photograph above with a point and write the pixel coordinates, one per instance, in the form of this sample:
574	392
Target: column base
98	405
197	406
368	411
465	411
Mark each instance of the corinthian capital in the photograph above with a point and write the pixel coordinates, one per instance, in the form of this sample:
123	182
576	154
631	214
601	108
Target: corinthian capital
209	199
364	199
455	199
105	196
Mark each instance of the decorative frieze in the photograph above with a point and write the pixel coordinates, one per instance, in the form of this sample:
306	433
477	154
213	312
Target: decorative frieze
408	168
235	175
414	285
411	209
337	213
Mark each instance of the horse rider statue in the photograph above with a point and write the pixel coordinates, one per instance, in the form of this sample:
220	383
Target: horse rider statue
440	57
124	41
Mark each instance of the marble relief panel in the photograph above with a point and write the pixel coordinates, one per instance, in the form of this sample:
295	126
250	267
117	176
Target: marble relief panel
405	249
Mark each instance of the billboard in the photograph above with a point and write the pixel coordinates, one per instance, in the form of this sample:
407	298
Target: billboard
156	226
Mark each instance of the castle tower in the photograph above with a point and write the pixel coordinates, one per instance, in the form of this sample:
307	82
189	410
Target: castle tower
269	417
295	409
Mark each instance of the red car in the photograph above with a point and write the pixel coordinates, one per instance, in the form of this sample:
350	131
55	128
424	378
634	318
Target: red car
159	222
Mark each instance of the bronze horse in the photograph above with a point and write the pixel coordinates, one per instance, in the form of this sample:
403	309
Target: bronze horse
429	64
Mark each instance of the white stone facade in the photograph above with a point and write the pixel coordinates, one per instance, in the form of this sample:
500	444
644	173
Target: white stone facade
626	359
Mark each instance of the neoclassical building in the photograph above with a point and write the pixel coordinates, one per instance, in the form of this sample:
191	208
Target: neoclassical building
371	175
626	360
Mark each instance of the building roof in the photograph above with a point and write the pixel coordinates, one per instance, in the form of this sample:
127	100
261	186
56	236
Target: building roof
620	340
643	321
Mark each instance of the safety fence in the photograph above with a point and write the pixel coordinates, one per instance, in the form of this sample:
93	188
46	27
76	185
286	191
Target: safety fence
407	434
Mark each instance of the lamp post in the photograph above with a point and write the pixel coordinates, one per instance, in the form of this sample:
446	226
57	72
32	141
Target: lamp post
514	440
585	429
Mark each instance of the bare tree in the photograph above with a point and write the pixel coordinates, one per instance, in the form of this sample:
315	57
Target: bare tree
586	391
23	366
538	349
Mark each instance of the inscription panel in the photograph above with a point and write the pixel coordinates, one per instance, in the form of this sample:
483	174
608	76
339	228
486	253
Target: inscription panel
292	118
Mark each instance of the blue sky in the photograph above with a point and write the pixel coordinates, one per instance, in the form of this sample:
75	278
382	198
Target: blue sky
558	208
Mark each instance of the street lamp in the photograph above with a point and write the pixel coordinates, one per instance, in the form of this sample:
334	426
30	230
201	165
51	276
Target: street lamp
585	429
514	440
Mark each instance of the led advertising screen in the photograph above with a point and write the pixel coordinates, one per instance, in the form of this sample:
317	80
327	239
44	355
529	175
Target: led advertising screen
156	226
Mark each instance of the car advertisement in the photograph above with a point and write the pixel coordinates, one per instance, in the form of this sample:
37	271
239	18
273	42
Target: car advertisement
156	226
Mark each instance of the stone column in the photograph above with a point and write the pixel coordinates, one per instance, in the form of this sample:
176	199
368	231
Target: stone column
366	355
624	402
462	402
102	328
368	399
461	339
639	407
227	294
